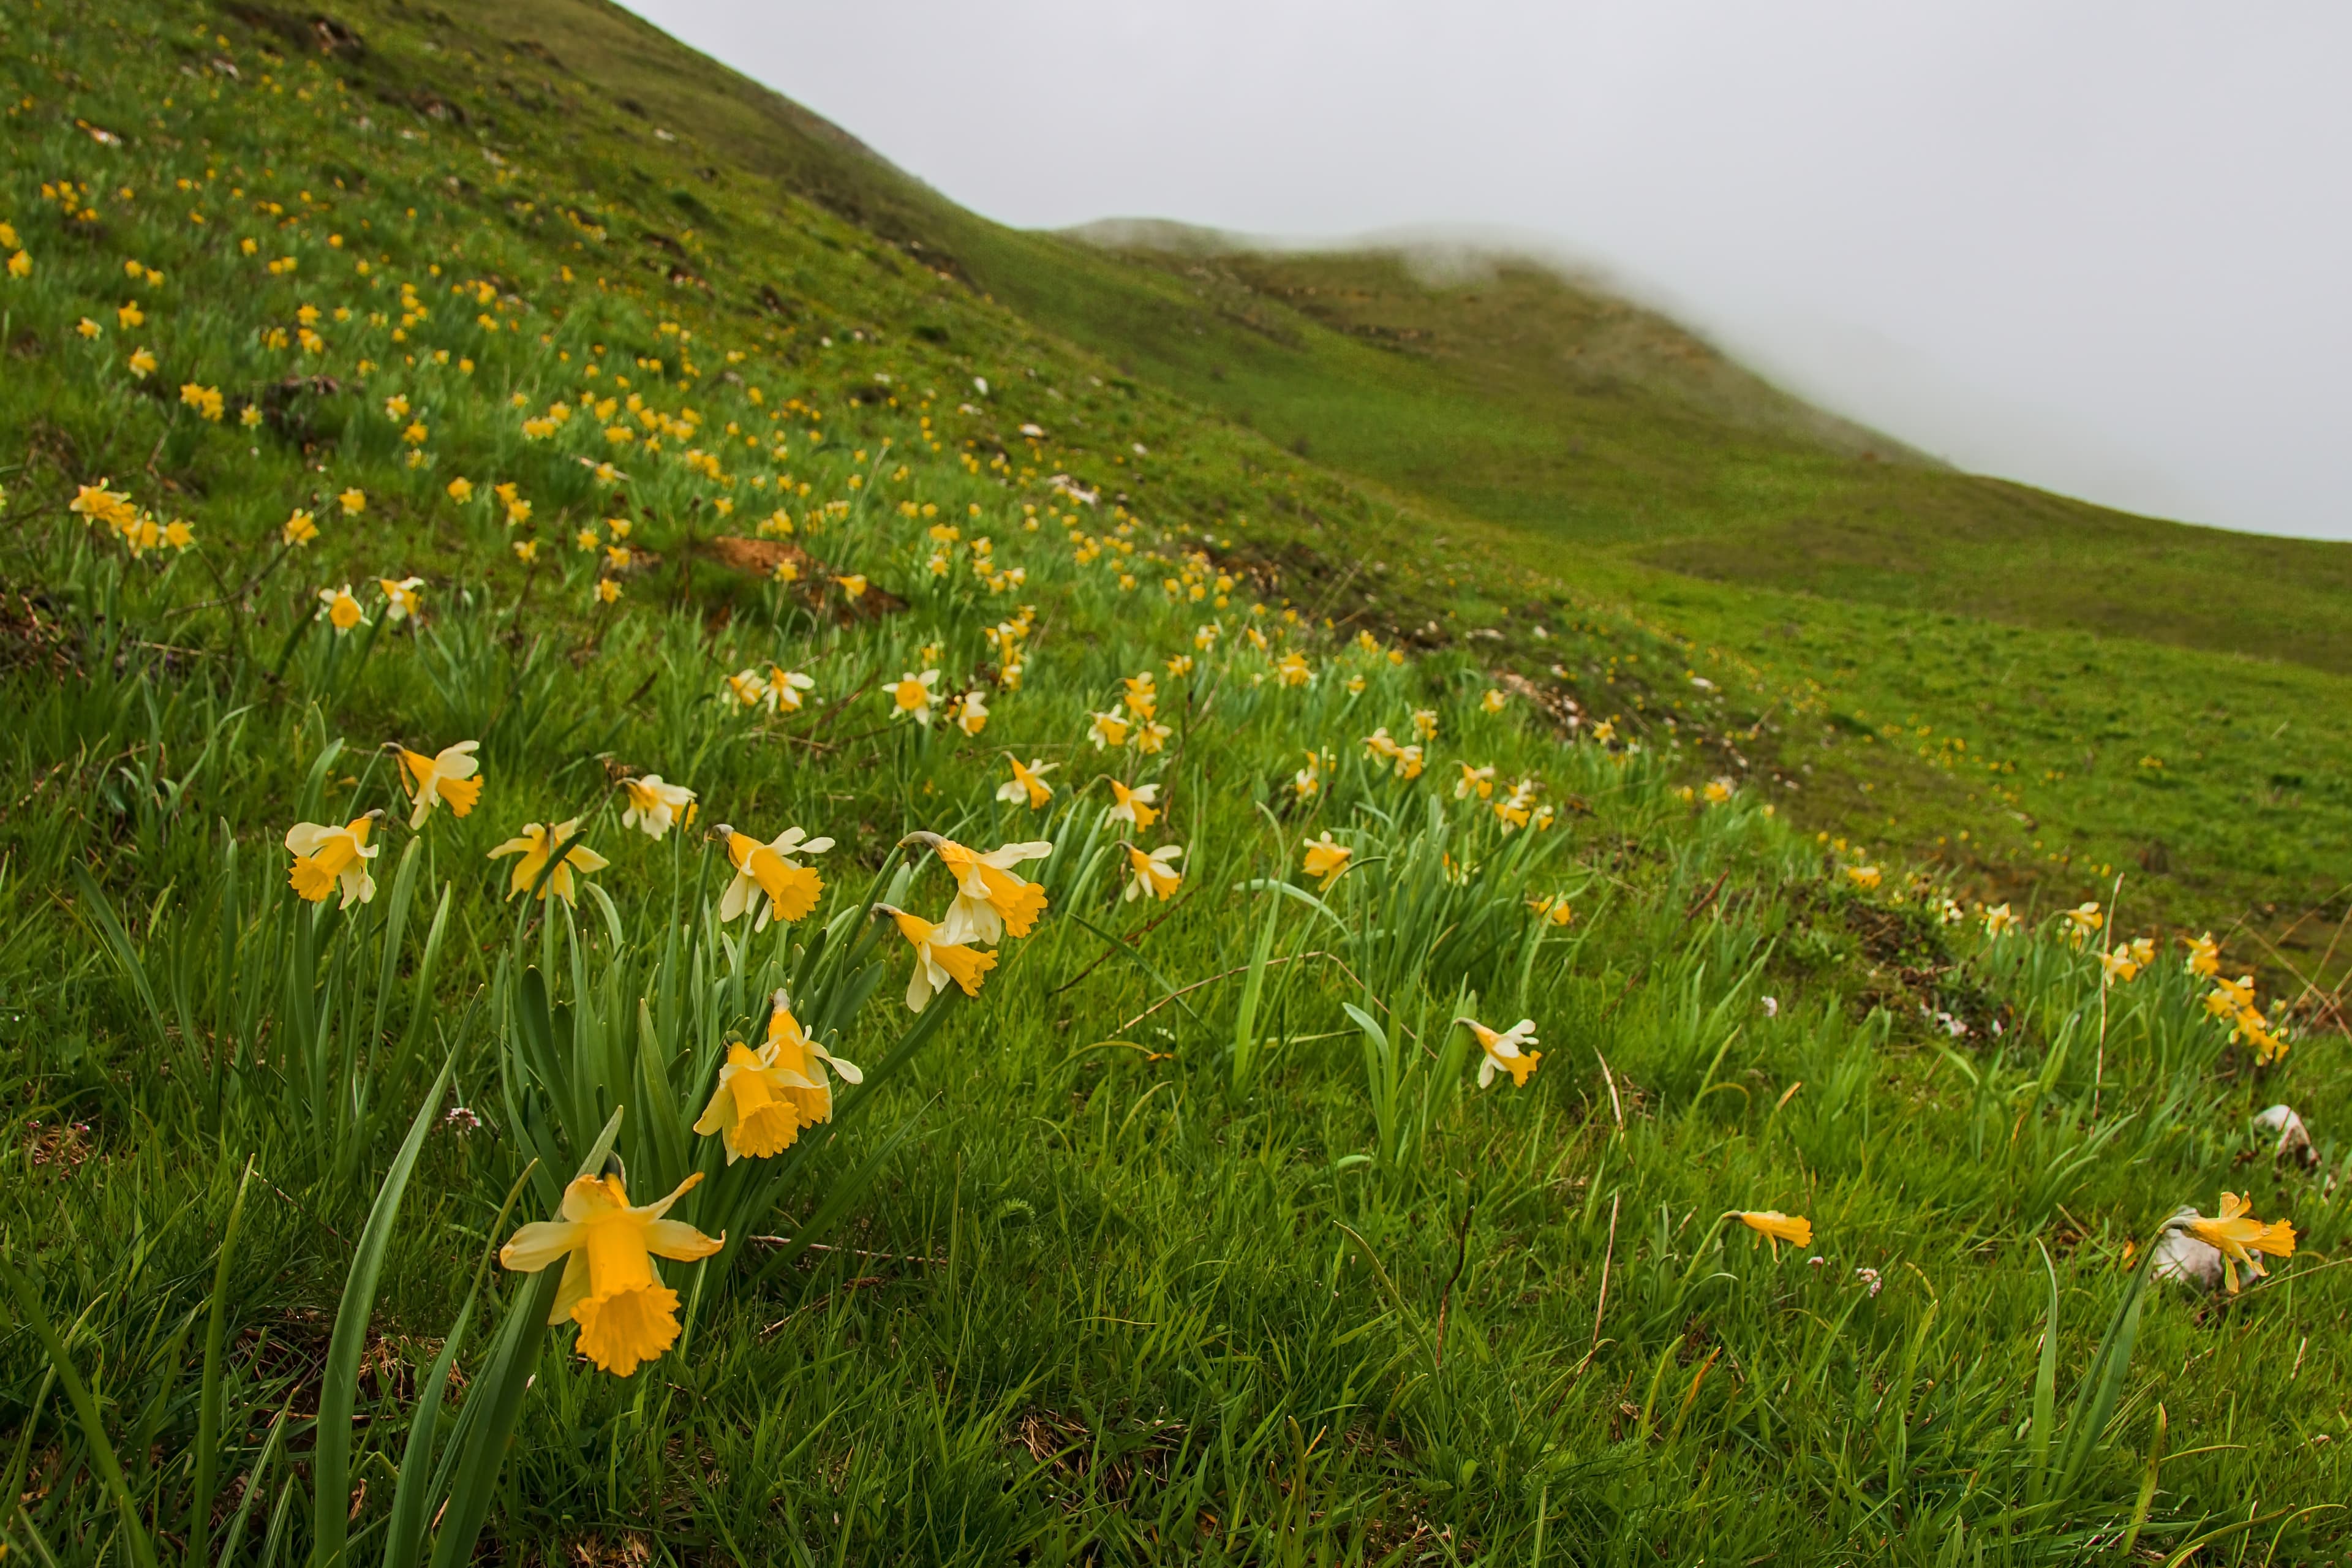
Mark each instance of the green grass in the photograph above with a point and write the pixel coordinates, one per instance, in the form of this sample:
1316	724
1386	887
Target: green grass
1192	1236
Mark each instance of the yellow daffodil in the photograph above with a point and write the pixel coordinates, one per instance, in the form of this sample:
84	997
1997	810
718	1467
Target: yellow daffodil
1138	807
1424	723
1515	808
2117	963
766	1097
938	961
1998	922
784	687
1108	729
339	609
1865	878
2082	920
769	877
1494	702
626	1315
1717	791
142	364
1180	665
1150	737
971	713
299	529
1479	782
1794	1229
461	489
607	591
1504	1051
2204	955
1293	669
1028	782
746	688
526	551
451	775
1327	860
1378	745
1554	908
913	696
853	585
1153	874
535	845
326	856
2239	1239
655	806
353	501
401	599
990	900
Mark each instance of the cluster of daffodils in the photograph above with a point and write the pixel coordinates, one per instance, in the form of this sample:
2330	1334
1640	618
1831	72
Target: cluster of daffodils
2231	1002
100	505
1133	720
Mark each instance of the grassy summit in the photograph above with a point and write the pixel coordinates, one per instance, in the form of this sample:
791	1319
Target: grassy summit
712	863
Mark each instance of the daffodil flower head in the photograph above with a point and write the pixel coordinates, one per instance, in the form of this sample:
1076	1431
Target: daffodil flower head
327	856
656	806
1506	1051
766	1097
2238	1239
1776	1226
1028	782
769	877
989	900
401	599
537	845
1154	875
341	609
626	1315
1138	806
971	713
914	695
451	773
939	963
1327	860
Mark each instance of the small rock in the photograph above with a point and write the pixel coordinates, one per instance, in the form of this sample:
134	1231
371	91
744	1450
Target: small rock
2182	1257
2293	1138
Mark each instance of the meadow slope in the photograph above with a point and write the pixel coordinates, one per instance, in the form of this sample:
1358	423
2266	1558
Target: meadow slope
685	885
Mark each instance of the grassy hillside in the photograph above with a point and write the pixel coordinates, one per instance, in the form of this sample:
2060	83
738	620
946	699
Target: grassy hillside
1628	466
523	593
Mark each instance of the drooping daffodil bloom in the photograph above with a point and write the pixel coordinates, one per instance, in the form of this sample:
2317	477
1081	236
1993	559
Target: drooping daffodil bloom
1154	875
2238	1239
536	844
326	856
1028	782
1506	1051
1327	860
626	1315
766	1096
1794	1229
768	876
939	961
1138	806
655	806
452	774
990	900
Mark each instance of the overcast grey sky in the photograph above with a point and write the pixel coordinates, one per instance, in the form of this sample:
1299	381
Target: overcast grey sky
2100	246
